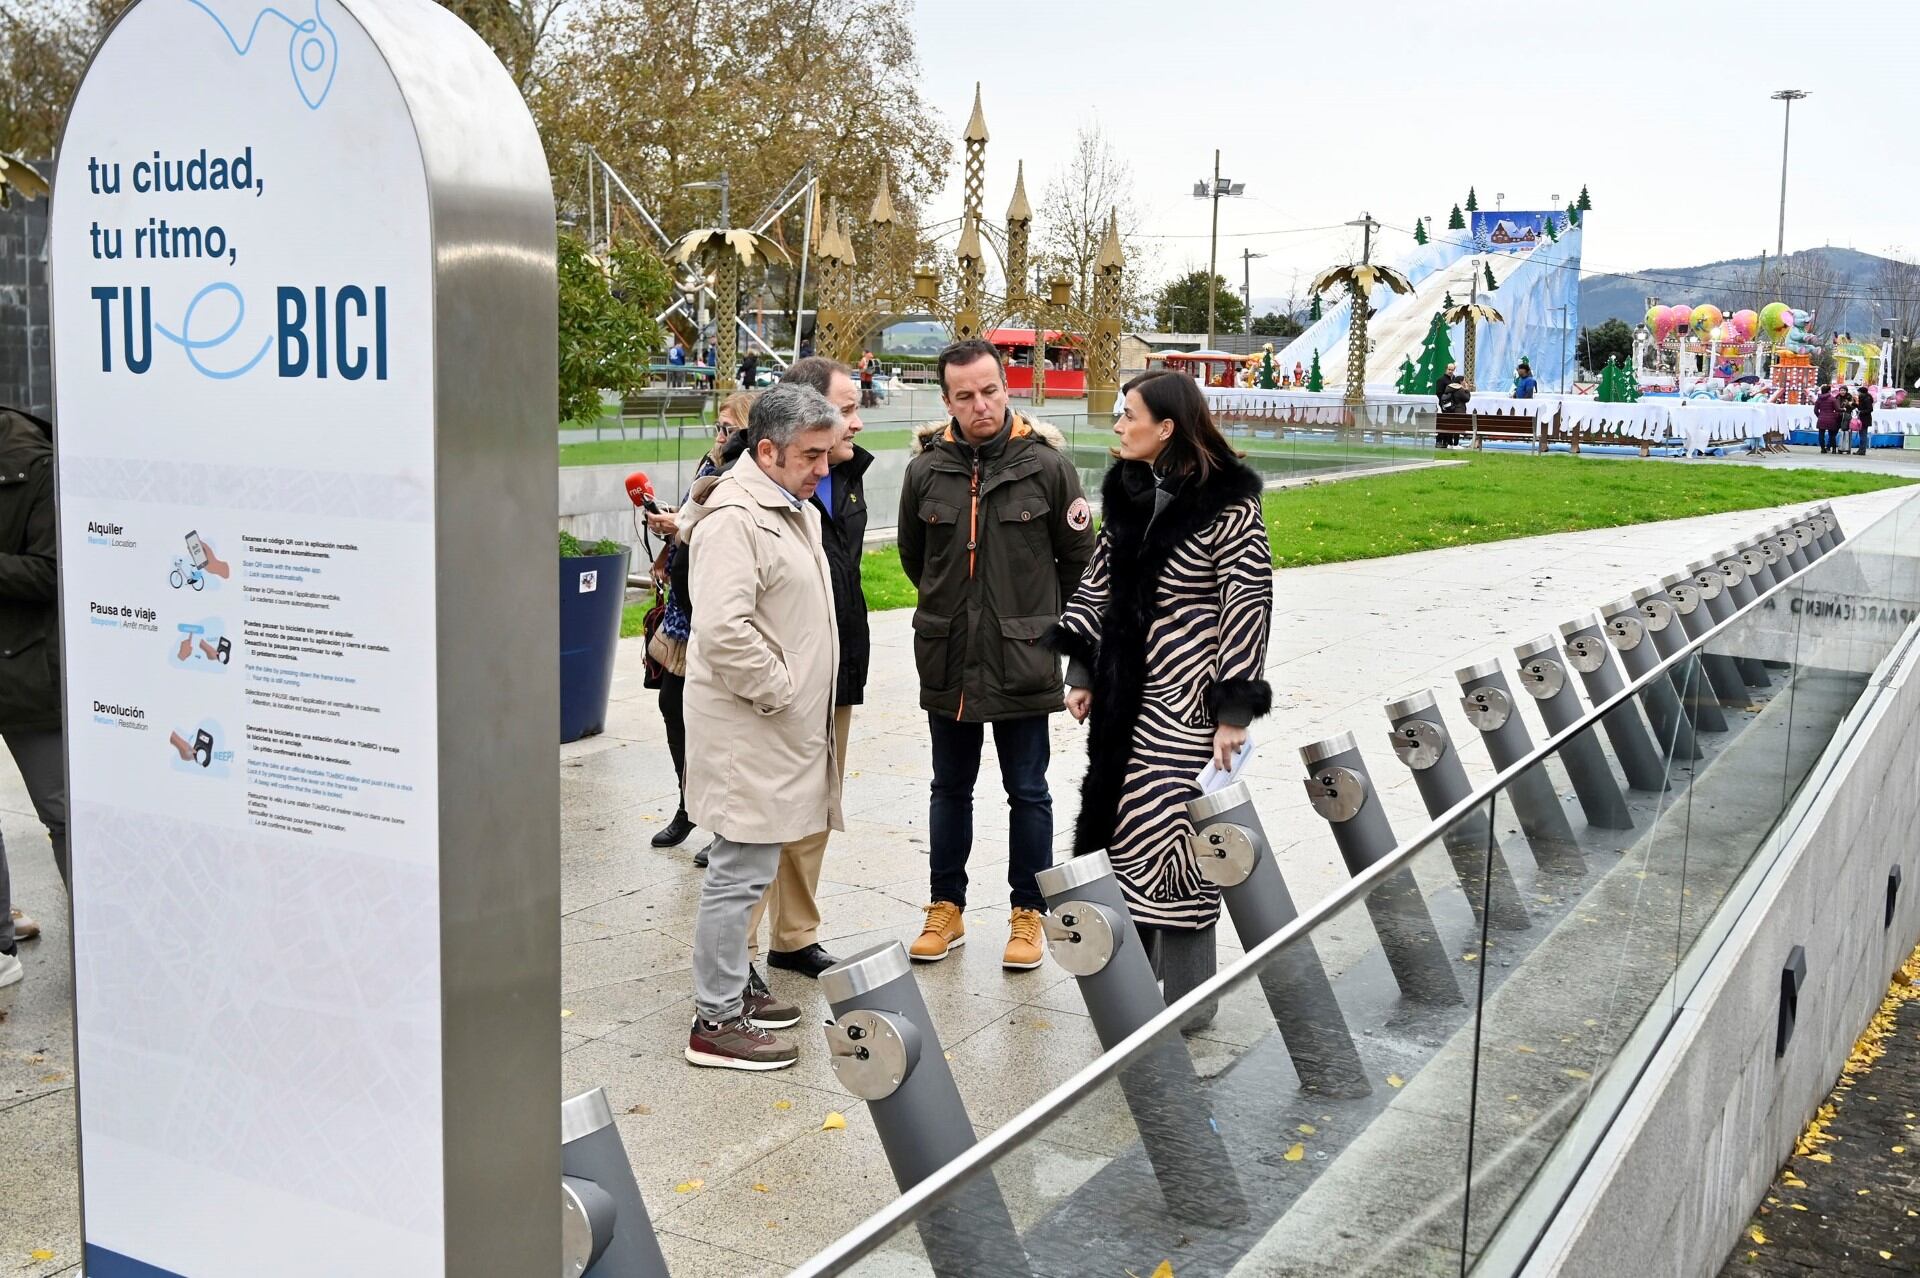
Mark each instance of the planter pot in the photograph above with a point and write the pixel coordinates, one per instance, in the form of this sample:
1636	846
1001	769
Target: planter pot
593	589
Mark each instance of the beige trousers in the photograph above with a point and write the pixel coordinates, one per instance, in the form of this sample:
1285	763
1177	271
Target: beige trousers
790	898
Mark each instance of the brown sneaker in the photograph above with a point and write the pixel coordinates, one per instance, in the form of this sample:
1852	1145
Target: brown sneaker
737	1044
1026	943
767	1010
940	934
24	928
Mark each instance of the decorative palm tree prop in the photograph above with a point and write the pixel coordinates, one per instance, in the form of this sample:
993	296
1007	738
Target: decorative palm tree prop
1472	314
1359	279
729	251
17	175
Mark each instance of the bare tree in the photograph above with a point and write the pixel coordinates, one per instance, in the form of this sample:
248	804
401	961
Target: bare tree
1807	281
517	30
1073	220
1897	291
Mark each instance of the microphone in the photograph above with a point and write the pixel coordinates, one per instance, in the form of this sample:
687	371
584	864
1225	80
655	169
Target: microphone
640	491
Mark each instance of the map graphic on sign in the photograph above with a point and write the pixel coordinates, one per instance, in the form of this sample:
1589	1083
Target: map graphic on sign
313	51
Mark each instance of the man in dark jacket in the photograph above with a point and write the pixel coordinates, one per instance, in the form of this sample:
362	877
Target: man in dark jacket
841	499
29	649
1863	409
994	532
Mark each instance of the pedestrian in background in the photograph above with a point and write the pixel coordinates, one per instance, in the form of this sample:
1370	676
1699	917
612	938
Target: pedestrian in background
1826	418
676	621
29	653
1524	384
1863	410
792	902
1166	641
994	533
759	704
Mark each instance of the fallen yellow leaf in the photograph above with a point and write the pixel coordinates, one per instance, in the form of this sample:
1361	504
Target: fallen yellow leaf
1308	1129
1165	1270
1469	957
1899	1149
40	1253
835	1122
1862	1192
1886	1255
565	1012
1394	1080
759	1188
1576	1073
1296	1153
1755	1234
689	1186
1820	1158
1798	1206
783	1104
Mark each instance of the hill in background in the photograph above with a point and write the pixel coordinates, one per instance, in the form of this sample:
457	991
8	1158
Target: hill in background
1835	282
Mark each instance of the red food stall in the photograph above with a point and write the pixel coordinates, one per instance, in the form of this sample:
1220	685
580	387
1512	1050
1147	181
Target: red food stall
1066	371
1213	368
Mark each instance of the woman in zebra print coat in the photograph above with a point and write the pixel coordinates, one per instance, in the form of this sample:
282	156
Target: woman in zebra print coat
1167	640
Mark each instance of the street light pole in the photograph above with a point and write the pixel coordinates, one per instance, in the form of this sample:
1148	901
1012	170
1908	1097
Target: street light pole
1213	255
1247	257
1203	190
1788	96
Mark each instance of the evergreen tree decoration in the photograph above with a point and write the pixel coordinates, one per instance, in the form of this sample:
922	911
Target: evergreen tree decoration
1419	231
1314	380
1583	203
1492	284
1436	352
1473	202
1629	386
1446	303
1408	376
1553	233
1573	214
1267	377
1614	383
1313	311
1455	222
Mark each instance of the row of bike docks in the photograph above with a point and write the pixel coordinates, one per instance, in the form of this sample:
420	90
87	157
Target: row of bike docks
1210	1171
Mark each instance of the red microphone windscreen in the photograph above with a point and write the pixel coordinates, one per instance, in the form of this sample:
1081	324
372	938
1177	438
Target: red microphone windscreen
639	487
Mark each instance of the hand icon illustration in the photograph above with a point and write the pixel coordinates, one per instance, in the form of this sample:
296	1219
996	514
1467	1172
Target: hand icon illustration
216	565
184	746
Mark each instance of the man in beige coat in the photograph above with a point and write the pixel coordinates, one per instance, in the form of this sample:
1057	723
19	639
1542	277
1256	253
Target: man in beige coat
759	705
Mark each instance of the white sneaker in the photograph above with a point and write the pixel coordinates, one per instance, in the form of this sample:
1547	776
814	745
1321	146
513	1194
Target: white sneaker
11	972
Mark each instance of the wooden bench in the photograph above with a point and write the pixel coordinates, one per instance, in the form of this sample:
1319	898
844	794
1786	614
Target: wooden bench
660	403
1481	426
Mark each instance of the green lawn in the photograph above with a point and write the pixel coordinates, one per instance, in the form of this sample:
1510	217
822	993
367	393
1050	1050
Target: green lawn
1492	497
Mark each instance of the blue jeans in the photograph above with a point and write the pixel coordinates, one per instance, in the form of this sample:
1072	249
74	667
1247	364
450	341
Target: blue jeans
1023	749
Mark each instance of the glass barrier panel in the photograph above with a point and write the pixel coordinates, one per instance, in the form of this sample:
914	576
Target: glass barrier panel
1588	972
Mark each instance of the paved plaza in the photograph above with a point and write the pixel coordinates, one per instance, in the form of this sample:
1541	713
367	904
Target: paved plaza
739	1175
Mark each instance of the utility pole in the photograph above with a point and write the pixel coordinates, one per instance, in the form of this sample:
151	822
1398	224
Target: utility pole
1788	96
1247	257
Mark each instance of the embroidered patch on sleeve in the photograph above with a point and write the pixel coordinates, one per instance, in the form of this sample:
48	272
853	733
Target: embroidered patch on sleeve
1079	515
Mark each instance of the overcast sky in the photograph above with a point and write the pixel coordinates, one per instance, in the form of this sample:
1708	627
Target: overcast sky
1662	110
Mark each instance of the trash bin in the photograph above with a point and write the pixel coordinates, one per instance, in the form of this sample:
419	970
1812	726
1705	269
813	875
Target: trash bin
593	590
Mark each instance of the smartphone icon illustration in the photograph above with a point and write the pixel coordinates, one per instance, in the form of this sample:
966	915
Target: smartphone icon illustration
224	652
196	552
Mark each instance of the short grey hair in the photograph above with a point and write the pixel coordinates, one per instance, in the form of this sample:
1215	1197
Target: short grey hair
784	411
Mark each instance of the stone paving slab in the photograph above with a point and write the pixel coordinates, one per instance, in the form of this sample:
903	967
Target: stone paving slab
1346	638
1848	1200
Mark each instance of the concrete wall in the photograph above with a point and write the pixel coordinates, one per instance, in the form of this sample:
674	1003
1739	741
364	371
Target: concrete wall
1675	1181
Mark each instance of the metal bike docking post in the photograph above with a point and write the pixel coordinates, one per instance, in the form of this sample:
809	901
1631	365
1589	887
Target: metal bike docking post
1231	849
604	1229
1716	581
1421	741
1490	707
1690	610
1092	935
1670	640
885	1050
1803	532
1343	794
1758	558
1627	631
1789	547
1544	676
1588	651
